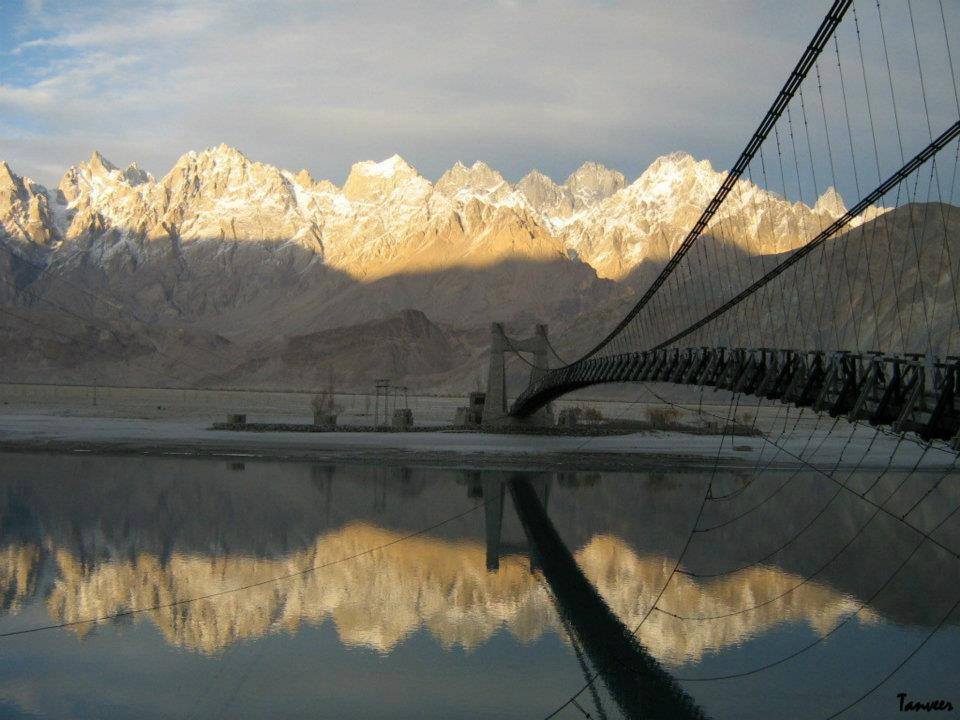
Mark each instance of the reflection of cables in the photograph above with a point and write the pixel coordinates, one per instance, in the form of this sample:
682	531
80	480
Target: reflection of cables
796	474
810	522
838	626
806	527
260	583
686	546
756	467
593	678
805	580
862	496
577	649
900	665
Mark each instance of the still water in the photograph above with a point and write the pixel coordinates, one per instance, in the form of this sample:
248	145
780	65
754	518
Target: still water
195	588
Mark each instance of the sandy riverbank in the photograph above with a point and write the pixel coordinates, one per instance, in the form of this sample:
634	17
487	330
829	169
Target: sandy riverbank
845	447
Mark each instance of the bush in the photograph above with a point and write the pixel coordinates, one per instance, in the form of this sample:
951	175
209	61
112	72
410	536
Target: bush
579	415
324	408
663	417
592	415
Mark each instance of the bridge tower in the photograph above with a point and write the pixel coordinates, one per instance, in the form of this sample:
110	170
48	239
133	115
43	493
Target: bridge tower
495	410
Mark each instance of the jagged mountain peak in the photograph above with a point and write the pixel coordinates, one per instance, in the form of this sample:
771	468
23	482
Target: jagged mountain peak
222	155
478	178
370	180
544	195
304	185
226	151
99	164
220	192
387	217
590	170
9	180
678	162
99	171
831	203
7	177
675	158
535	176
304	178
677	175
24	209
135	175
592	182
90	182
224	170
391	167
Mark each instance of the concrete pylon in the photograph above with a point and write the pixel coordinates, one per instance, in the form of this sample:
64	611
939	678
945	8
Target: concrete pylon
495	405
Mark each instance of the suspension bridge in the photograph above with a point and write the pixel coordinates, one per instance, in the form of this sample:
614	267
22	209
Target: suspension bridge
860	319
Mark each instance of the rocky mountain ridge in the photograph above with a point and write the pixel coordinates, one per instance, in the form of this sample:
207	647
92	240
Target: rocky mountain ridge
226	264
387	218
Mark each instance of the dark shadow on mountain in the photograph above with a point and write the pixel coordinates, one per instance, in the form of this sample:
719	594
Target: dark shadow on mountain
216	314
250	313
880	285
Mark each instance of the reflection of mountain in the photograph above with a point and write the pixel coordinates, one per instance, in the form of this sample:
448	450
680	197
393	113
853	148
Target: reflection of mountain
440	585
94	536
19	565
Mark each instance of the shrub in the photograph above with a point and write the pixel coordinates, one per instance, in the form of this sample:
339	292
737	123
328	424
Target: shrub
579	415
592	415
324	407
662	417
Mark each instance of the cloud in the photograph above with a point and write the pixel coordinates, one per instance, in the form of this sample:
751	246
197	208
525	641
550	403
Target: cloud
133	27
29	98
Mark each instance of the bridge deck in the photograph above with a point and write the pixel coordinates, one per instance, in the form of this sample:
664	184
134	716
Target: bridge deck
909	393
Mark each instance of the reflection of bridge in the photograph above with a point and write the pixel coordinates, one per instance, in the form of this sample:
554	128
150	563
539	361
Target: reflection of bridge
860	316
636	681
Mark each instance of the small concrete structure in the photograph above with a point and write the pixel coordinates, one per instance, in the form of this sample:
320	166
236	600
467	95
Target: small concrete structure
472	414
402	419
567	418
495	411
324	419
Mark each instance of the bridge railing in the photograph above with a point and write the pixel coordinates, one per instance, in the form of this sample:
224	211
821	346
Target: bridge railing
908	392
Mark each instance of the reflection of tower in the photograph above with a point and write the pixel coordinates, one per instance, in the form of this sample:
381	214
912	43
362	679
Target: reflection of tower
491	486
493	492
322	478
541	488
636	681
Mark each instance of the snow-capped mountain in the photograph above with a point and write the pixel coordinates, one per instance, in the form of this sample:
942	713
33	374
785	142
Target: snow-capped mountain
387	218
25	214
225	249
224	269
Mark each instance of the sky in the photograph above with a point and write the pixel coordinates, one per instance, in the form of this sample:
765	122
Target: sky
321	85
